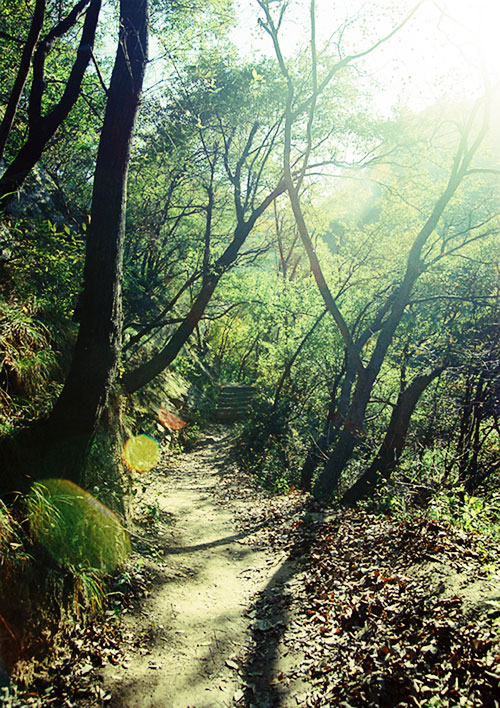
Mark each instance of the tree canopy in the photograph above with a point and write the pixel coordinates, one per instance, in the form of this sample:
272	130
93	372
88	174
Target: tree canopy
283	227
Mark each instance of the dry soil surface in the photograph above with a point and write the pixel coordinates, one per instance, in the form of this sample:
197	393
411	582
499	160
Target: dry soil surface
204	557
235	598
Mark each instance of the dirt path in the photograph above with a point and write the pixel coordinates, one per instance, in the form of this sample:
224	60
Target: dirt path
236	599
205	560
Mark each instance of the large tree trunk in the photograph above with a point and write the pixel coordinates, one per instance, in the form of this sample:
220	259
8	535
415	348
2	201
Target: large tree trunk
338	410
41	128
349	436
394	441
78	409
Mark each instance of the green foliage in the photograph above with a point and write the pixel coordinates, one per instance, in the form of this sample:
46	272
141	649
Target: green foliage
25	343
41	283
47	265
207	149
27	364
77	530
13	552
473	513
255	344
192	140
271	447
89	586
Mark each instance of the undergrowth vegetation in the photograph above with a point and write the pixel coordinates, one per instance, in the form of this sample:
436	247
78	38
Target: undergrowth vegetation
41	272
58	544
271	446
75	528
27	364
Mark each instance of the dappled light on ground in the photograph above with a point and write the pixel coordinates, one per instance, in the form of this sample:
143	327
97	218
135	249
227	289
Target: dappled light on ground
200	568
235	598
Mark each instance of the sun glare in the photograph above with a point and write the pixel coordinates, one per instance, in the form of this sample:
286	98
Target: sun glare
445	51
473	28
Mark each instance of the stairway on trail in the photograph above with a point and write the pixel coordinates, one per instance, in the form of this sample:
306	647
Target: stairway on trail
233	402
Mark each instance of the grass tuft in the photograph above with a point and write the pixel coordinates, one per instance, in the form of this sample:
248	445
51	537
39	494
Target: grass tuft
76	529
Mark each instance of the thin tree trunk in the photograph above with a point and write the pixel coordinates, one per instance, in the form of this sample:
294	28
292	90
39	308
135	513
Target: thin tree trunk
460	456
366	374
394	441
78	409
42	128
22	73
468	473
245	357
293	358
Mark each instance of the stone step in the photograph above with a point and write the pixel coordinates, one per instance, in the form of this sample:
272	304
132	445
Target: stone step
238	409
234	399
233	403
235	396
223	410
232	417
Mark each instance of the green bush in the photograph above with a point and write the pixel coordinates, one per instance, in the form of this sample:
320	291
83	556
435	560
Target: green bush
273	445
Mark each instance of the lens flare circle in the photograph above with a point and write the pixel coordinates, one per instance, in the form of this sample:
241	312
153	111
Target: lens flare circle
76	529
141	453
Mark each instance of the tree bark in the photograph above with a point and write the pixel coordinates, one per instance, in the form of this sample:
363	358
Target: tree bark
338	409
394	441
79	407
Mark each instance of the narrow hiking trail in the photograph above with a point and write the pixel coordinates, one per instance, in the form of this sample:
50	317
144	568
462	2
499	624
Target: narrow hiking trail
205	557
234	598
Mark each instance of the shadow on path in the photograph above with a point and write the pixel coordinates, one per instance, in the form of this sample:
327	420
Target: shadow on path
206	657
261	671
227	540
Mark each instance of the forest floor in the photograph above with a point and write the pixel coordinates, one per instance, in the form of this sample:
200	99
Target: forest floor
233	597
